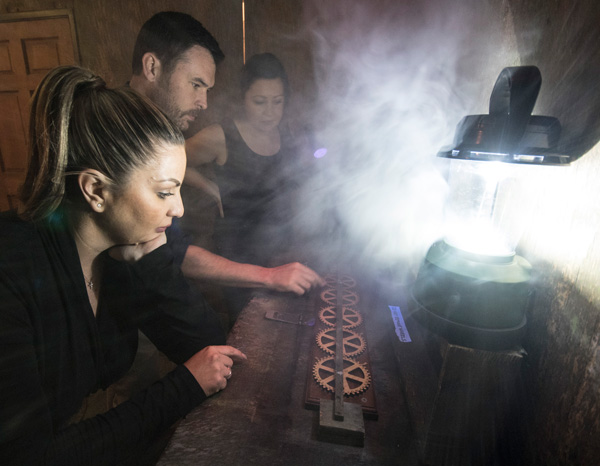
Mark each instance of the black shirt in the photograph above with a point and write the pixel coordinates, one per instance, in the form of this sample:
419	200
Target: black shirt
255	193
54	351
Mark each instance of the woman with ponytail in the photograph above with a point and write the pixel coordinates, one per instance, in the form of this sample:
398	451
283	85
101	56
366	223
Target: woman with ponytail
83	266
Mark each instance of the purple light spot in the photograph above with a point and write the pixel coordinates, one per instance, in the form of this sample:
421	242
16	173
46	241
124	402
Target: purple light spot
320	152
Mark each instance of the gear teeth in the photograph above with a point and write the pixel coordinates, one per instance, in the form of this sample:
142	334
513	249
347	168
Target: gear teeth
326	341
320	363
349	297
327	381
329	295
345	280
352	317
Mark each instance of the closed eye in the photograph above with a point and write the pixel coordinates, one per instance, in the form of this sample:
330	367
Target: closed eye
164	195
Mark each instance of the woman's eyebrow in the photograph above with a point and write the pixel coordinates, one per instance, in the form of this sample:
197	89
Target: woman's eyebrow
172	180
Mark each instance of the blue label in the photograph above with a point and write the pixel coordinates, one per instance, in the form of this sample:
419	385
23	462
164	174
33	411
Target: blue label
401	330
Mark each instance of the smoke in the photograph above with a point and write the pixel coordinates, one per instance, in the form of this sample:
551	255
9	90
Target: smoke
394	78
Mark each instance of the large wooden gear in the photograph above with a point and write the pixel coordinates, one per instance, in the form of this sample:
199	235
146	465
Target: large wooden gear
356	377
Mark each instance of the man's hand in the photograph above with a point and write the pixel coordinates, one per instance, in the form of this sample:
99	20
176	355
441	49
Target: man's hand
212	366
200	264
294	277
134	252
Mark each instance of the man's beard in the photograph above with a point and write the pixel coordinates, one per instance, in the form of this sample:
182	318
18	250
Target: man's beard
162	98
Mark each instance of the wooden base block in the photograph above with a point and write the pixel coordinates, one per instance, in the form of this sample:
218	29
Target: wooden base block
349	431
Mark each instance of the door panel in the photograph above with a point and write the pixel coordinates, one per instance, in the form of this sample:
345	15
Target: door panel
29	48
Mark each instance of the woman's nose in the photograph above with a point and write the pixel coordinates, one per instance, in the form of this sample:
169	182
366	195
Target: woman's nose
176	209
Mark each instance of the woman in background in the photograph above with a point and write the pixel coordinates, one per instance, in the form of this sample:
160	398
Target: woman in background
254	158
83	266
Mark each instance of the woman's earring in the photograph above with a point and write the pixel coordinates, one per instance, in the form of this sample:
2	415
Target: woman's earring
98	205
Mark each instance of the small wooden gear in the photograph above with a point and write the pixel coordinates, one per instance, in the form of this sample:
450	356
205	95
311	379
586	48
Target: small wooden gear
353	343
351	317
349	297
345	281
356	377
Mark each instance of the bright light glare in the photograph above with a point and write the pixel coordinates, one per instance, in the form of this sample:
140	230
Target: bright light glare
470	212
320	153
479	237
473	188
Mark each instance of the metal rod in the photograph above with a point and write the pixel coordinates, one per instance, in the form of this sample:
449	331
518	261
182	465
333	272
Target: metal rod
338	405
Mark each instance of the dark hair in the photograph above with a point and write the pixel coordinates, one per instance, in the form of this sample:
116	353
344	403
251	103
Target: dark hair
263	66
77	123
169	35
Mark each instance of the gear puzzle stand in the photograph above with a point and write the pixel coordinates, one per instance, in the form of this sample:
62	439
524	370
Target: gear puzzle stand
340	384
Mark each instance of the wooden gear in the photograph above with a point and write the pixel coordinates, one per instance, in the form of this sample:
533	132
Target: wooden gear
355	374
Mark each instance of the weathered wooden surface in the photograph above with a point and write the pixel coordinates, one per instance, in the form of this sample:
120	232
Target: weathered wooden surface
260	417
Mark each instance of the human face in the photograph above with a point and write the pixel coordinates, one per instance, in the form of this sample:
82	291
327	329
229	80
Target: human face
182	94
145	208
264	102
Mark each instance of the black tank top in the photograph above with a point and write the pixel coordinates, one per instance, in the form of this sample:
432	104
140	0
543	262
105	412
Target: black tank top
254	195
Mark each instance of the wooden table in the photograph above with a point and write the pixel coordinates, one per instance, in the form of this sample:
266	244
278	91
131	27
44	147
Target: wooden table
260	418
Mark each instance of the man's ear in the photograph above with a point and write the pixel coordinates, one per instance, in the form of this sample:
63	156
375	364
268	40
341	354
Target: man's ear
94	187
151	66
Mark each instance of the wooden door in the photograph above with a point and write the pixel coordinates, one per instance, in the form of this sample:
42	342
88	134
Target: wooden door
30	45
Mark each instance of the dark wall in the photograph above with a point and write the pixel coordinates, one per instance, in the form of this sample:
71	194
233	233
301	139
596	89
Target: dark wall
563	238
276	26
562	38
106	32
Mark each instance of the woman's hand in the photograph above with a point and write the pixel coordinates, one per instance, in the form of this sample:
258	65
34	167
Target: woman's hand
212	367
134	252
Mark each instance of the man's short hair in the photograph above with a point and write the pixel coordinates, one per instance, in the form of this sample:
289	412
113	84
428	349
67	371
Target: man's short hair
169	35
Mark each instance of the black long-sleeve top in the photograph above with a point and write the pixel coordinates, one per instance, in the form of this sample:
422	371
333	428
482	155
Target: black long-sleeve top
54	351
